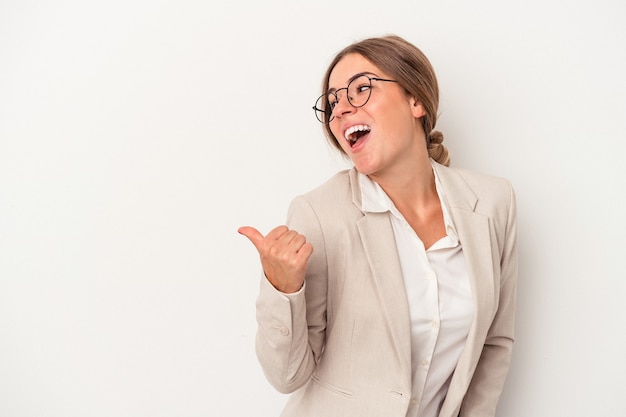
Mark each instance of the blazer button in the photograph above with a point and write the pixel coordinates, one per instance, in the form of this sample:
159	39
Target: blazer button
282	329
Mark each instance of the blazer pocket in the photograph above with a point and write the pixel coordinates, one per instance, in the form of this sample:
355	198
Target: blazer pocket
330	387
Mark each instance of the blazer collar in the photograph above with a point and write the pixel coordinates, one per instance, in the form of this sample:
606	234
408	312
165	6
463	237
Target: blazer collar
458	193
354	187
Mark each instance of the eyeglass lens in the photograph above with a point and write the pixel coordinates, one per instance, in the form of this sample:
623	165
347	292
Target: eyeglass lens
357	92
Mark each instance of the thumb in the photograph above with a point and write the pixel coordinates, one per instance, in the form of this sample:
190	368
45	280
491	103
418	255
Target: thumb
251	233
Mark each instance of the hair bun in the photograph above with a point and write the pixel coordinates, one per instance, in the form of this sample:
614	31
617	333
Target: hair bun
436	149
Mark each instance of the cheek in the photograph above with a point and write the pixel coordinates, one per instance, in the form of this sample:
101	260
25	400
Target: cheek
334	128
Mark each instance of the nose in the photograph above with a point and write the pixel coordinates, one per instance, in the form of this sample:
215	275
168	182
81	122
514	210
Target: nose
343	106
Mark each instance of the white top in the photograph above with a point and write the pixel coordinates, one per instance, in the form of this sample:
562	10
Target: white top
439	296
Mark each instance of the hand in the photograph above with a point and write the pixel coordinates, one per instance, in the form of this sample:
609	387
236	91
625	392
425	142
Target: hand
284	254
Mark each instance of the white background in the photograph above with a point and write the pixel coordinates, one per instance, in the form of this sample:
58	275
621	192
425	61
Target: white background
136	136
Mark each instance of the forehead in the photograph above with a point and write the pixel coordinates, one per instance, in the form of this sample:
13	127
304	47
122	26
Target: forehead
348	66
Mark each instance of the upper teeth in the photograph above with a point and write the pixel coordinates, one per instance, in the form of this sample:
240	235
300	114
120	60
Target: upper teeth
356	128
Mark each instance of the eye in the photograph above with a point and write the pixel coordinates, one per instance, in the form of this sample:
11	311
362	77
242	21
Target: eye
362	88
332	102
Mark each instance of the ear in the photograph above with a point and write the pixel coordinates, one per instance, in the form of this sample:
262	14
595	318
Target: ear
417	108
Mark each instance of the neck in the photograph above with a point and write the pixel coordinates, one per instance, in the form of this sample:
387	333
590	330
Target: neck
412	187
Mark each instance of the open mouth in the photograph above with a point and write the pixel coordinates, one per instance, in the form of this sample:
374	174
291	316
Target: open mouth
354	133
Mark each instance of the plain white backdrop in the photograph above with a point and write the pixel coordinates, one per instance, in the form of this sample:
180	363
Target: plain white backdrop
137	136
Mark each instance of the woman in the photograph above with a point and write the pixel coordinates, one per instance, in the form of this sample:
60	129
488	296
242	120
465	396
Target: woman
391	291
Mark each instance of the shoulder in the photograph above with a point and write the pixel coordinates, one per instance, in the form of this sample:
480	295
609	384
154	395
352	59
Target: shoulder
339	185
477	181
476	190
335	192
330	205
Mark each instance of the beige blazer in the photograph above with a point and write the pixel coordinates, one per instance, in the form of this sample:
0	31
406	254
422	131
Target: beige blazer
342	345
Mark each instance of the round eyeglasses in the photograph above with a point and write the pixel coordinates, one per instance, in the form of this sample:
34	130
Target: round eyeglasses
358	92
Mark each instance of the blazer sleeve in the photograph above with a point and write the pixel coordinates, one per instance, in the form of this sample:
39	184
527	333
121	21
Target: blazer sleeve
488	381
292	327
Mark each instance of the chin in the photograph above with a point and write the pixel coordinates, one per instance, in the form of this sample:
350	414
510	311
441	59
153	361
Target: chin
366	164
364	169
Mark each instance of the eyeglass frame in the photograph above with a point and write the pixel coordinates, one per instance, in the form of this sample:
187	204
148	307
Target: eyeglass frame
330	115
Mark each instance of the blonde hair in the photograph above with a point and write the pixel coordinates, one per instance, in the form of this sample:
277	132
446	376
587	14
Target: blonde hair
409	66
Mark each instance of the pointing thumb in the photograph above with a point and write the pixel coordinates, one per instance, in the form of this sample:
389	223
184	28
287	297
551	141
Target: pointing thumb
251	233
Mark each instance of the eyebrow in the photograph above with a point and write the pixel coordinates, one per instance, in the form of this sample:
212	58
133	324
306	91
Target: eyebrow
355	76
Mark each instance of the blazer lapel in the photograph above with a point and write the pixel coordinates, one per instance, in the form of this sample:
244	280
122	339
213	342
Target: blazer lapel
474	234
474	231
379	243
